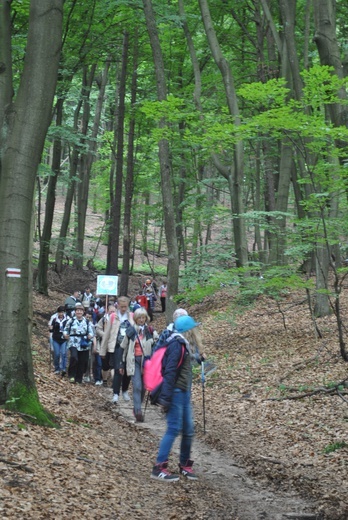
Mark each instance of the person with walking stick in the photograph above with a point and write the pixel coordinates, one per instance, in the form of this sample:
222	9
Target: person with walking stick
175	401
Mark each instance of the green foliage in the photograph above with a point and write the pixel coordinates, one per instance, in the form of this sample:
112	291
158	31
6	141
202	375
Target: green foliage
265	95
195	295
99	265
246	284
330	448
69	247
160	270
321	87
275	282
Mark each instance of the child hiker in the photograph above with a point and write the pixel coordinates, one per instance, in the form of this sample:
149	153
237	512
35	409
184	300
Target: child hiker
175	400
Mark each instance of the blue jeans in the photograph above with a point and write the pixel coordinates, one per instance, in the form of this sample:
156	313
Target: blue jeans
179	419
59	356
138	386
97	367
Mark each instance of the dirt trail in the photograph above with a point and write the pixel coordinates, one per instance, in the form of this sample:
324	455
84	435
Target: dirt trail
249	501
99	462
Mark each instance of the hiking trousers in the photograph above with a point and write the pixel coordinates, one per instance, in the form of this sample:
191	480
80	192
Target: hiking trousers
78	363
138	385
59	357
119	378
179	419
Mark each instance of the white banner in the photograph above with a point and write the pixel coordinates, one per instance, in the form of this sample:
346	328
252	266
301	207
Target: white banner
107	285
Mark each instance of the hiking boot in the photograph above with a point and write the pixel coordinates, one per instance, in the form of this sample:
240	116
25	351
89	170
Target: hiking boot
105	383
115	398
139	417
160	472
187	471
125	396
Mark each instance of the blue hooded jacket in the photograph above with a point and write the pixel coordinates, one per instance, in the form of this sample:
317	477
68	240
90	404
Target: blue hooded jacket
170	368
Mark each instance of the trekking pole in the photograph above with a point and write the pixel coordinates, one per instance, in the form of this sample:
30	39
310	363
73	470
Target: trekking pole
50	352
203	394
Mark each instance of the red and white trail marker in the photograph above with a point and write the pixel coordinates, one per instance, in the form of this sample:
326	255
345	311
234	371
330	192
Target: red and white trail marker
13	272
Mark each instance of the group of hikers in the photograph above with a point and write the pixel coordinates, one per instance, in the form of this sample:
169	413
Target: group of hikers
115	342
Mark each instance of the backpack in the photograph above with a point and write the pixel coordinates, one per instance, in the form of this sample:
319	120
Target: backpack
71	324
142	300
152	371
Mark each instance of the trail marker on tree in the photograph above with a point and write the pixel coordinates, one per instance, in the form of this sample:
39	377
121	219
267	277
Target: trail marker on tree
13	272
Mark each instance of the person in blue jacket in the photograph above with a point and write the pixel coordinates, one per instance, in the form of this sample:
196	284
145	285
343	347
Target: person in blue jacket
175	400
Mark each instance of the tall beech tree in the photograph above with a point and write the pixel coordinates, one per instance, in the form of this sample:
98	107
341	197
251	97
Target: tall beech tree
25	119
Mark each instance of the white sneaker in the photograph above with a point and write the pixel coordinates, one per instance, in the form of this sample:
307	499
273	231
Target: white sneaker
98	383
115	398
125	396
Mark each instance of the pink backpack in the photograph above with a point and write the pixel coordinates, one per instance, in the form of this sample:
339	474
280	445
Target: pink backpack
152	373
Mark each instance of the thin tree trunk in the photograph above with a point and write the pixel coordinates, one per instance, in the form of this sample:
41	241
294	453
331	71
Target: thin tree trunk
84	171
236	171
117	203
278	239
45	242
165	165
109	212
61	246
129	184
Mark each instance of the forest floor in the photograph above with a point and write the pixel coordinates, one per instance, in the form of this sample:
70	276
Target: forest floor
267	452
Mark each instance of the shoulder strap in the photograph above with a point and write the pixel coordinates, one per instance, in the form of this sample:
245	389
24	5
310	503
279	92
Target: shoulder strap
70	325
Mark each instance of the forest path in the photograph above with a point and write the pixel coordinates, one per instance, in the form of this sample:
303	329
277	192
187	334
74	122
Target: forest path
248	499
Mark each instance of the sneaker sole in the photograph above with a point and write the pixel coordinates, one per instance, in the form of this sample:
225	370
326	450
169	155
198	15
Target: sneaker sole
189	476
175	479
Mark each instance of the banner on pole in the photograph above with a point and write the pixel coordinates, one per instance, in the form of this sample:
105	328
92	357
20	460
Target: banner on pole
107	285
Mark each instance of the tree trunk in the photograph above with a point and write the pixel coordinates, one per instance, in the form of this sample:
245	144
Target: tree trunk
329	52
278	238
6	88
117	202
236	172
288	14
113	128
322	307
61	246
165	165
45	241
63	234
145	202
84	169
129	184
21	153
